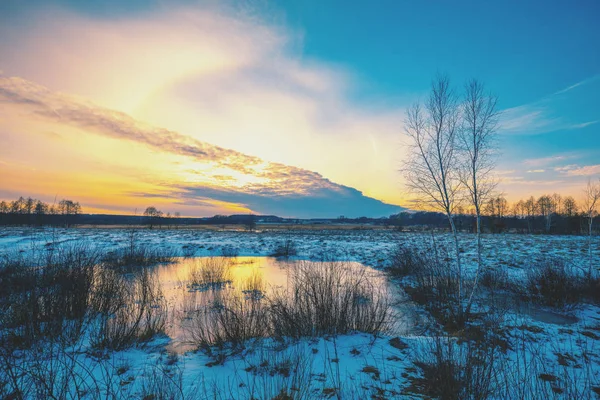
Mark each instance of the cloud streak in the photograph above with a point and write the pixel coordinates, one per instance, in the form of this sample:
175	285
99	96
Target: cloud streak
578	84
545	115
261	185
588	170
236	79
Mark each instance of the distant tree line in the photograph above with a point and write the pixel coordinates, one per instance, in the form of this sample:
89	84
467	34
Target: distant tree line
153	216
33	212
547	214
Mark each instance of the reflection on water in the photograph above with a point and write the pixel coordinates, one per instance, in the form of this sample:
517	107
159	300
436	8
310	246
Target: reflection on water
191	284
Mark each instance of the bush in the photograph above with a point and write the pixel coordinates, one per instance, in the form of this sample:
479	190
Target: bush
552	283
452	370
286	248
405	261
322	298
46	371
329	298
46	298
494	279
229	251
591	289
430	281
188	250
227	319
132	257
278	375
209	273
160	382
129	310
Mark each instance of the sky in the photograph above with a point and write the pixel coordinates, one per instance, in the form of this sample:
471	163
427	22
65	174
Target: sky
293	108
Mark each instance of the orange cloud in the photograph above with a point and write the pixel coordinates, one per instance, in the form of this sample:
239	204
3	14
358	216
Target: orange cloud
221	76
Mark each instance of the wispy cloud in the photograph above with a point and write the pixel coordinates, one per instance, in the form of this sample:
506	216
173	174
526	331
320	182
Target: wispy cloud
544	161
584	124
588	170
545	115
527	119
521	181
566	168
578	84
505	172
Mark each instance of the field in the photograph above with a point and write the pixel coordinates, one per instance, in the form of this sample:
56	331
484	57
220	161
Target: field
393	336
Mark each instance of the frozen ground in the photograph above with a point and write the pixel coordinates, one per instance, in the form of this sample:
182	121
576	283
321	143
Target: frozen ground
369	247
559	350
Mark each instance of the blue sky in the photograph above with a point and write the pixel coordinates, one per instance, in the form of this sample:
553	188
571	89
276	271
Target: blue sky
528	49
525	51
337	76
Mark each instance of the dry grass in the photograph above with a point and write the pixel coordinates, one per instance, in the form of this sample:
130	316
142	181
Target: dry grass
329	298
210	273
226	319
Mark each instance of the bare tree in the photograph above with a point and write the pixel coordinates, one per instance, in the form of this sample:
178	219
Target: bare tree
17	206
496	207
569	206
477	137
519	209
431	172
153	215
531	208
177	215
250	223
40	209
69	209
590	208
557	202
546	207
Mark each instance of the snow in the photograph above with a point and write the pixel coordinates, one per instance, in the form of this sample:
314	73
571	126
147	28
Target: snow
356	365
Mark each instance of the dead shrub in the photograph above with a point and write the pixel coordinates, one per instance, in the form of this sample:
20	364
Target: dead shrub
210	273
287	248
130	309
135	256
328	298
223	319
451	370
553	283
46	297
431	281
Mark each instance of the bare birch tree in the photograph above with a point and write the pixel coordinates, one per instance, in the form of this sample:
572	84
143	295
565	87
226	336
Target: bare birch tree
591	201
531	209
477	139
546	208
431	172
570	206
519	209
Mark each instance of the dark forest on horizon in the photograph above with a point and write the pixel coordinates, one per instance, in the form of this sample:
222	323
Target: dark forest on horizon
545	215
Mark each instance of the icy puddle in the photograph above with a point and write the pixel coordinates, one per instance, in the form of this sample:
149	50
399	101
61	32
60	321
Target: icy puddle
193	285
545	316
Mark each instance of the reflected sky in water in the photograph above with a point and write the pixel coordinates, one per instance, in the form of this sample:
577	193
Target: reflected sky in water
242	274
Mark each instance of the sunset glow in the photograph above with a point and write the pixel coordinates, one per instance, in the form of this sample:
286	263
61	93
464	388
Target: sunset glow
207	109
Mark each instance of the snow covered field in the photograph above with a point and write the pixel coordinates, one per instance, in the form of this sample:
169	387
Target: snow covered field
369	247
552	353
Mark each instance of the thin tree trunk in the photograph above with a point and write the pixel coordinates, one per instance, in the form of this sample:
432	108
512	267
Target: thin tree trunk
458	263
479	263
590	243
435	250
